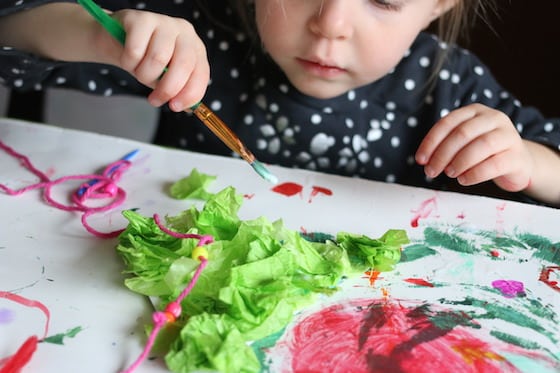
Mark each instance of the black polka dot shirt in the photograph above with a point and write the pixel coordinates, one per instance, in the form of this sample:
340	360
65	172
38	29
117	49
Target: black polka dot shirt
371	132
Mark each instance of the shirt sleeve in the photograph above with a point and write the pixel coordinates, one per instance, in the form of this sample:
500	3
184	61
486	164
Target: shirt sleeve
24	71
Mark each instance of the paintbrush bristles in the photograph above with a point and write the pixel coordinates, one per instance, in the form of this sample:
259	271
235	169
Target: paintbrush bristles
228	137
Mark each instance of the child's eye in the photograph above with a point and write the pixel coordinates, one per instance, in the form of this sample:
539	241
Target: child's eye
387	4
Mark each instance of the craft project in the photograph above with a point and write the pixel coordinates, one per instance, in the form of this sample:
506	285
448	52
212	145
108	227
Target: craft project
476	289
258	275
275	300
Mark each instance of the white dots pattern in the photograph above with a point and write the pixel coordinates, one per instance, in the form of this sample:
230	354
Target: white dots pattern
371	131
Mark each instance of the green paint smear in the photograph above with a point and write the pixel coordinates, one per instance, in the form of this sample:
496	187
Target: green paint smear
514	340
542	247
318	237
451	241
508	314
260	347
545	249
505	243
521	361
448	320
415	252
58	339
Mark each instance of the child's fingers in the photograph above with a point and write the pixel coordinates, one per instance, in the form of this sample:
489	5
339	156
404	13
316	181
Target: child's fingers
441	130
192	58
137	38
500	168
160	51
459	140
193	91
488	169
175	77
477	151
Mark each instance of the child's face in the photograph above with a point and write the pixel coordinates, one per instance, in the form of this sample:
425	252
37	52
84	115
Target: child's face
327	47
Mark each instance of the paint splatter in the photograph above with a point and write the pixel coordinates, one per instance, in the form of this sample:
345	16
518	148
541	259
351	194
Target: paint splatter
449	240
419	282
547	274
288	189
385	336
372	277
415	252
28	303
509	288
319	190
59	338
423	211
6	316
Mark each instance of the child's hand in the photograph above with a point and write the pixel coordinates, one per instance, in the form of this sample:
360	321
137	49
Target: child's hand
474	144
155	42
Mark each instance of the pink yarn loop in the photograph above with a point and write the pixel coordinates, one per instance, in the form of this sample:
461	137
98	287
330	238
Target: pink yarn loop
94	187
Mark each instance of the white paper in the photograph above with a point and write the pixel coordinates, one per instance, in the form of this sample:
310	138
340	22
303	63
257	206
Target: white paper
47	255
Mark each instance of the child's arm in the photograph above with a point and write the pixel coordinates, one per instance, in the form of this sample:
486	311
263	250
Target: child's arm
60	31
477	143
66	32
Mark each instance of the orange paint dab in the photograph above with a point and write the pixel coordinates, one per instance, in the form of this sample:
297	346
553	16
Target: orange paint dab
473	354
373	276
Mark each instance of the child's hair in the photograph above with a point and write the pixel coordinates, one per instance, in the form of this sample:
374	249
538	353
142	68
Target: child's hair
460	18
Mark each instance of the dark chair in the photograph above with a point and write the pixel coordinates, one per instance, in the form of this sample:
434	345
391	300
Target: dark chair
26	105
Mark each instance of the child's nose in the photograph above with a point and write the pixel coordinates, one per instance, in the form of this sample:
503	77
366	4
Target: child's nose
332	20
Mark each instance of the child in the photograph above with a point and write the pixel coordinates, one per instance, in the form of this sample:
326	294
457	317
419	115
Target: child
355	88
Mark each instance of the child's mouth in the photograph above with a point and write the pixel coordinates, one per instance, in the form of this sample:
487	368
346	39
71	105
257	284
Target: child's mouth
321	69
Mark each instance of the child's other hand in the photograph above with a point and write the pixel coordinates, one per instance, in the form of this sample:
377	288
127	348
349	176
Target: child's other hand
155	42
474	144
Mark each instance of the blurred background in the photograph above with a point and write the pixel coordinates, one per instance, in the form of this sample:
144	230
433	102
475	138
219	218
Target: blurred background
122	116
519	44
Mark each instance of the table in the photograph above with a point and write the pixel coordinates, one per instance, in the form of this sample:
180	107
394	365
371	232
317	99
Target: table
461	245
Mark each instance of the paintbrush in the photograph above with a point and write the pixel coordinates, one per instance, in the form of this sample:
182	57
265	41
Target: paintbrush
202	112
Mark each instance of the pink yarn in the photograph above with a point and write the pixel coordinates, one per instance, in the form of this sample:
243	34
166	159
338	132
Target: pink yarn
202	239
95	187
173	309
104	186
160	318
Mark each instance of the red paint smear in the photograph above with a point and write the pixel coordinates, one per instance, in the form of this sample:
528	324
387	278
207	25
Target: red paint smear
366	337
495	253
423	211
545	277
288	189
319	190
29	303
16	362
249	196
419	282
